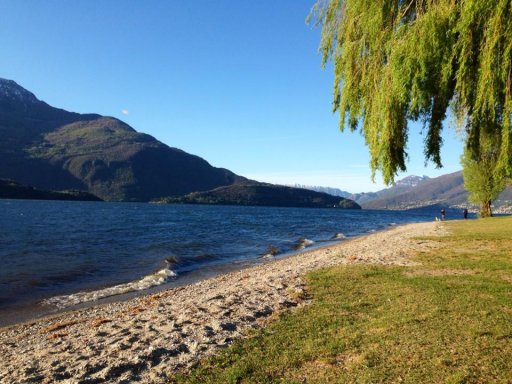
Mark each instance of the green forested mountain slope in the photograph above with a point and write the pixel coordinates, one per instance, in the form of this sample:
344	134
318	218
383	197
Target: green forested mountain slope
50	148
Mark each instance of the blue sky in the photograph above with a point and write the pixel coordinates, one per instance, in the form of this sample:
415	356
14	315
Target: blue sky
238	83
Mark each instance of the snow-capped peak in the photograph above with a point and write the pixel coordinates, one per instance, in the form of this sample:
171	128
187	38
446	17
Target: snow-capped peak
411	181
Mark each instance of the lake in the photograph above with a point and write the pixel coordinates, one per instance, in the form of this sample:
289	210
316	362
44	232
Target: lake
57	254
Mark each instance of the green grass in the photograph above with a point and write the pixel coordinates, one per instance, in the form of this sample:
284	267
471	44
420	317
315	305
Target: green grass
448	320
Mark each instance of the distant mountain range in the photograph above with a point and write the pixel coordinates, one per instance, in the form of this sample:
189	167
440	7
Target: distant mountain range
46	149
400	186
52	149
329	190
447	189
415	192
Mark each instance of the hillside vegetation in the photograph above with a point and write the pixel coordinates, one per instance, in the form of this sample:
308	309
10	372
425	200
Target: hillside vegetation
11	190
50	148
53	149
265	195
446	320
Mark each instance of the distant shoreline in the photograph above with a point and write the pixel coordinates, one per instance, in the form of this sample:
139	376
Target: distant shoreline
10	189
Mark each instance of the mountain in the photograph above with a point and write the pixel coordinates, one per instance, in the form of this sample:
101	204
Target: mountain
265	195
329	190
402	186
11	190
410	181
414	192
447	189
50	148
53	149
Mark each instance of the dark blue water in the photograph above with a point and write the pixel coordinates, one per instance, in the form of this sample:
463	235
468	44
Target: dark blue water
52	248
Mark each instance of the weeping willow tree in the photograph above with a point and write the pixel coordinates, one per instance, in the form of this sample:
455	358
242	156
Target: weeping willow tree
397	61
482	177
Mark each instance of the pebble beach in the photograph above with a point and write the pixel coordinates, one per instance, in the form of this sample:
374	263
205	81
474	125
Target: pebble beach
149	338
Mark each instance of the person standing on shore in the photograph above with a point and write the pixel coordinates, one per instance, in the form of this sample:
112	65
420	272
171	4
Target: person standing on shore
465	213
443	214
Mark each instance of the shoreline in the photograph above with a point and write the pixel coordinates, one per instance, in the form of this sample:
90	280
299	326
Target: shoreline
25	313
150	337
39	309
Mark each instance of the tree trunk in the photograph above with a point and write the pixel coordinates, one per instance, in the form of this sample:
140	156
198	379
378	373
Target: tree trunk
485	209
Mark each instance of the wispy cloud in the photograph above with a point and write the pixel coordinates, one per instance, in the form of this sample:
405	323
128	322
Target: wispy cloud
125	111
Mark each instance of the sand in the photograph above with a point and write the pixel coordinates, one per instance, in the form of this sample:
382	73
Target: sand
149	338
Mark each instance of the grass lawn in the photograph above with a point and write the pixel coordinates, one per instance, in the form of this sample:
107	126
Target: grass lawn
448	320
